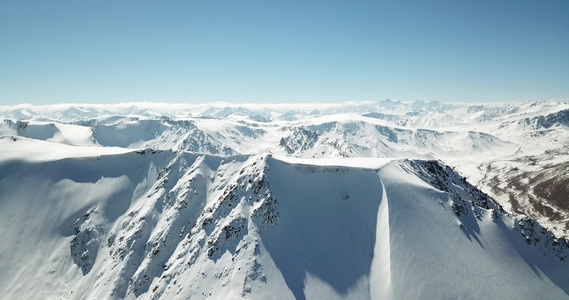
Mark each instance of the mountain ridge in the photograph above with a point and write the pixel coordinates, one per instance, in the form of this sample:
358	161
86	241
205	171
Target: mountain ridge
234	227
375	200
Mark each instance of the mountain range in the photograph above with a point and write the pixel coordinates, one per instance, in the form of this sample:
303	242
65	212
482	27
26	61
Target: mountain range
358	200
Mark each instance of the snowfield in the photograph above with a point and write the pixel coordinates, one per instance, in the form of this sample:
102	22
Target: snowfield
371	200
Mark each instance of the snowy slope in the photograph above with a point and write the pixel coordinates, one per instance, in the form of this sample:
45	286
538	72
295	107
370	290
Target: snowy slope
316	201
507	149
483	142
163	224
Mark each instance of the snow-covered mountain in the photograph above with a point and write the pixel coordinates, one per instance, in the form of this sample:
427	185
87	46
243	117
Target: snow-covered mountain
314	201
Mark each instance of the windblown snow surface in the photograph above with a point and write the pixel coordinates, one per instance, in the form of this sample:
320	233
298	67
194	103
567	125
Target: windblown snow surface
339	201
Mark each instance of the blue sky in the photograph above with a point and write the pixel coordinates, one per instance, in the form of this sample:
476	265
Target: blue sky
282	51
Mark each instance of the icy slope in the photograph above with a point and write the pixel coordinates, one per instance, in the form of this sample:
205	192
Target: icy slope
163	224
